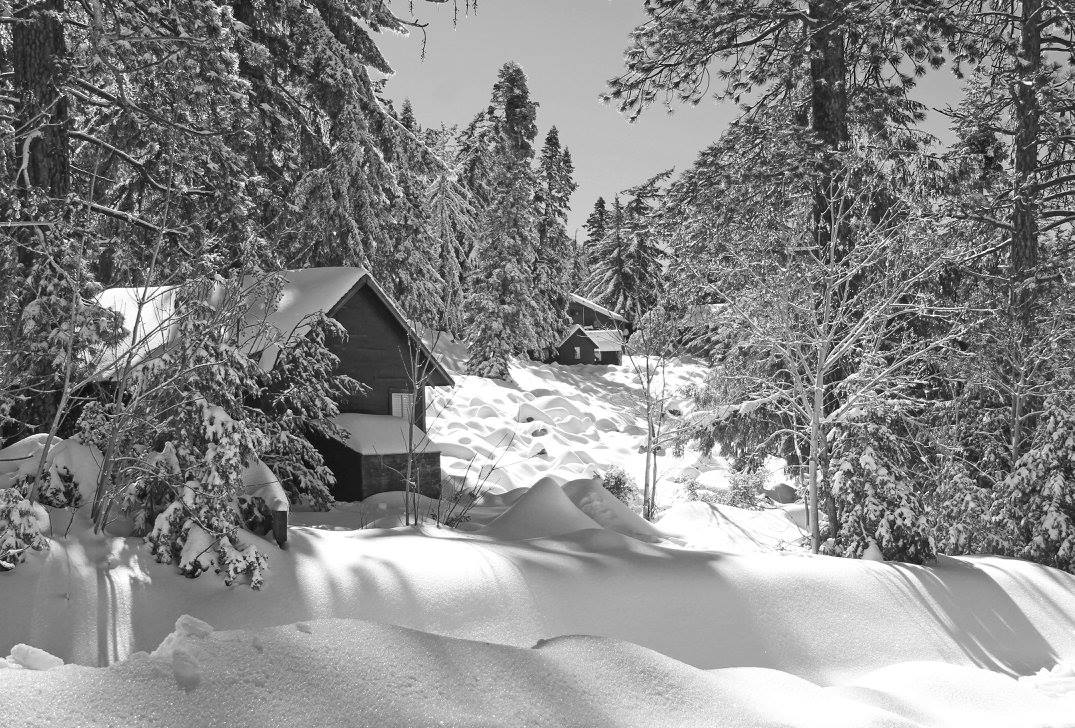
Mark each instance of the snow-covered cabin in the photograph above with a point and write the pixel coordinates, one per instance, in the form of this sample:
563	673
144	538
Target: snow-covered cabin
380	352
587	314
590	346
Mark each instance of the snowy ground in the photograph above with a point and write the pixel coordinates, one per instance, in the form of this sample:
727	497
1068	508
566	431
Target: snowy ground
553	605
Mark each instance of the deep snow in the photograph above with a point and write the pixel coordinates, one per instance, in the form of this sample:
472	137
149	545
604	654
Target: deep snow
354	673
752	631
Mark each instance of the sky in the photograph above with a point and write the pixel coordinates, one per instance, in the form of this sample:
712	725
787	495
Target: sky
568	49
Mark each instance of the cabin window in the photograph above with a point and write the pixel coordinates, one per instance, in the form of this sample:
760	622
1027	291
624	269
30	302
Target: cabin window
578	352
403	405
597	356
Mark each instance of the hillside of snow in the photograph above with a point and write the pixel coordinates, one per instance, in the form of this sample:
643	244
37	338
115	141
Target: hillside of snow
552	604
561	422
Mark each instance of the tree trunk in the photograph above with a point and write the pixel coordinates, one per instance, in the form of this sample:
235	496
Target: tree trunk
816	414
828	75
39	51
647	485
1025	233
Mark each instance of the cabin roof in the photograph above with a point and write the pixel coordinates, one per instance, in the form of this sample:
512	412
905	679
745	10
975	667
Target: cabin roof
603	339
380	434
303	293
594	307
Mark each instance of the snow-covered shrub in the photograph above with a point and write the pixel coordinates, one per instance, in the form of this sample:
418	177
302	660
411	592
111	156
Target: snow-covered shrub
1037	500
299	393
745	490
620	484
961	514
875	495
51	329
59	489
188	421
22	527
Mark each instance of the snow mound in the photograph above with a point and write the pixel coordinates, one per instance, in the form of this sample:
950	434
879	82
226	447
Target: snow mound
543	510
716	527
305	674
21	458
26	657
529	413
592	499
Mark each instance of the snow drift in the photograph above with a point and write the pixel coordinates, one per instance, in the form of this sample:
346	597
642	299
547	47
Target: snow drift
354	673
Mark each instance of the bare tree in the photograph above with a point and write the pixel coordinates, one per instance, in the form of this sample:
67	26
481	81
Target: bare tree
822	331
651	347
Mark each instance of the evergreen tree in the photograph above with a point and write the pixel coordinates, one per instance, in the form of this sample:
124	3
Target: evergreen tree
577	270
609	280
555	252
596	225
1037	501
627	271
407	262
504	312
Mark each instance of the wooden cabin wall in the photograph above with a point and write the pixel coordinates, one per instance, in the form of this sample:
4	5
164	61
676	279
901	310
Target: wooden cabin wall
377	353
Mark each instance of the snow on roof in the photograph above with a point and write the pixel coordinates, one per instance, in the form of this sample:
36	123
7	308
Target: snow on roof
380	434
304	293
606	339
593	306
148	330
603	339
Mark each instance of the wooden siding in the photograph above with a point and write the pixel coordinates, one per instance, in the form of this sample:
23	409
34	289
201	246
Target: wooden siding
378	353
360	476
382	473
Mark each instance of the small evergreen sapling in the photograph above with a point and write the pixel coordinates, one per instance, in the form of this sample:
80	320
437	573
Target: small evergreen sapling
1038	499
873	486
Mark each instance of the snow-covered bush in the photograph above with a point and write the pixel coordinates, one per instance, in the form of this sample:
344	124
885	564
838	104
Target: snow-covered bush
22	526
620	484
745	490
50	327
1037	500
297	394
185	424
873	486
961	514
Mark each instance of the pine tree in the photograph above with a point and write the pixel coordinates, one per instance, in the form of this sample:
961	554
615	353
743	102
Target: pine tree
407	262
555	253
596	225
502	308
609	280
627	271
577	270
1037	500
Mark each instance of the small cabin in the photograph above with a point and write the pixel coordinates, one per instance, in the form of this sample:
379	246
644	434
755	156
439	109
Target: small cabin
382	351
590	346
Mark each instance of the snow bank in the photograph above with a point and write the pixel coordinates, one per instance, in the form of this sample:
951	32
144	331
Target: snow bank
29	658
726	528
20	459
355	673
543	510
92	600
69	457
604	508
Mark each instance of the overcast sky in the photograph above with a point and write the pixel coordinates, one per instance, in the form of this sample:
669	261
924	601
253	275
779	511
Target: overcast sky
568	49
